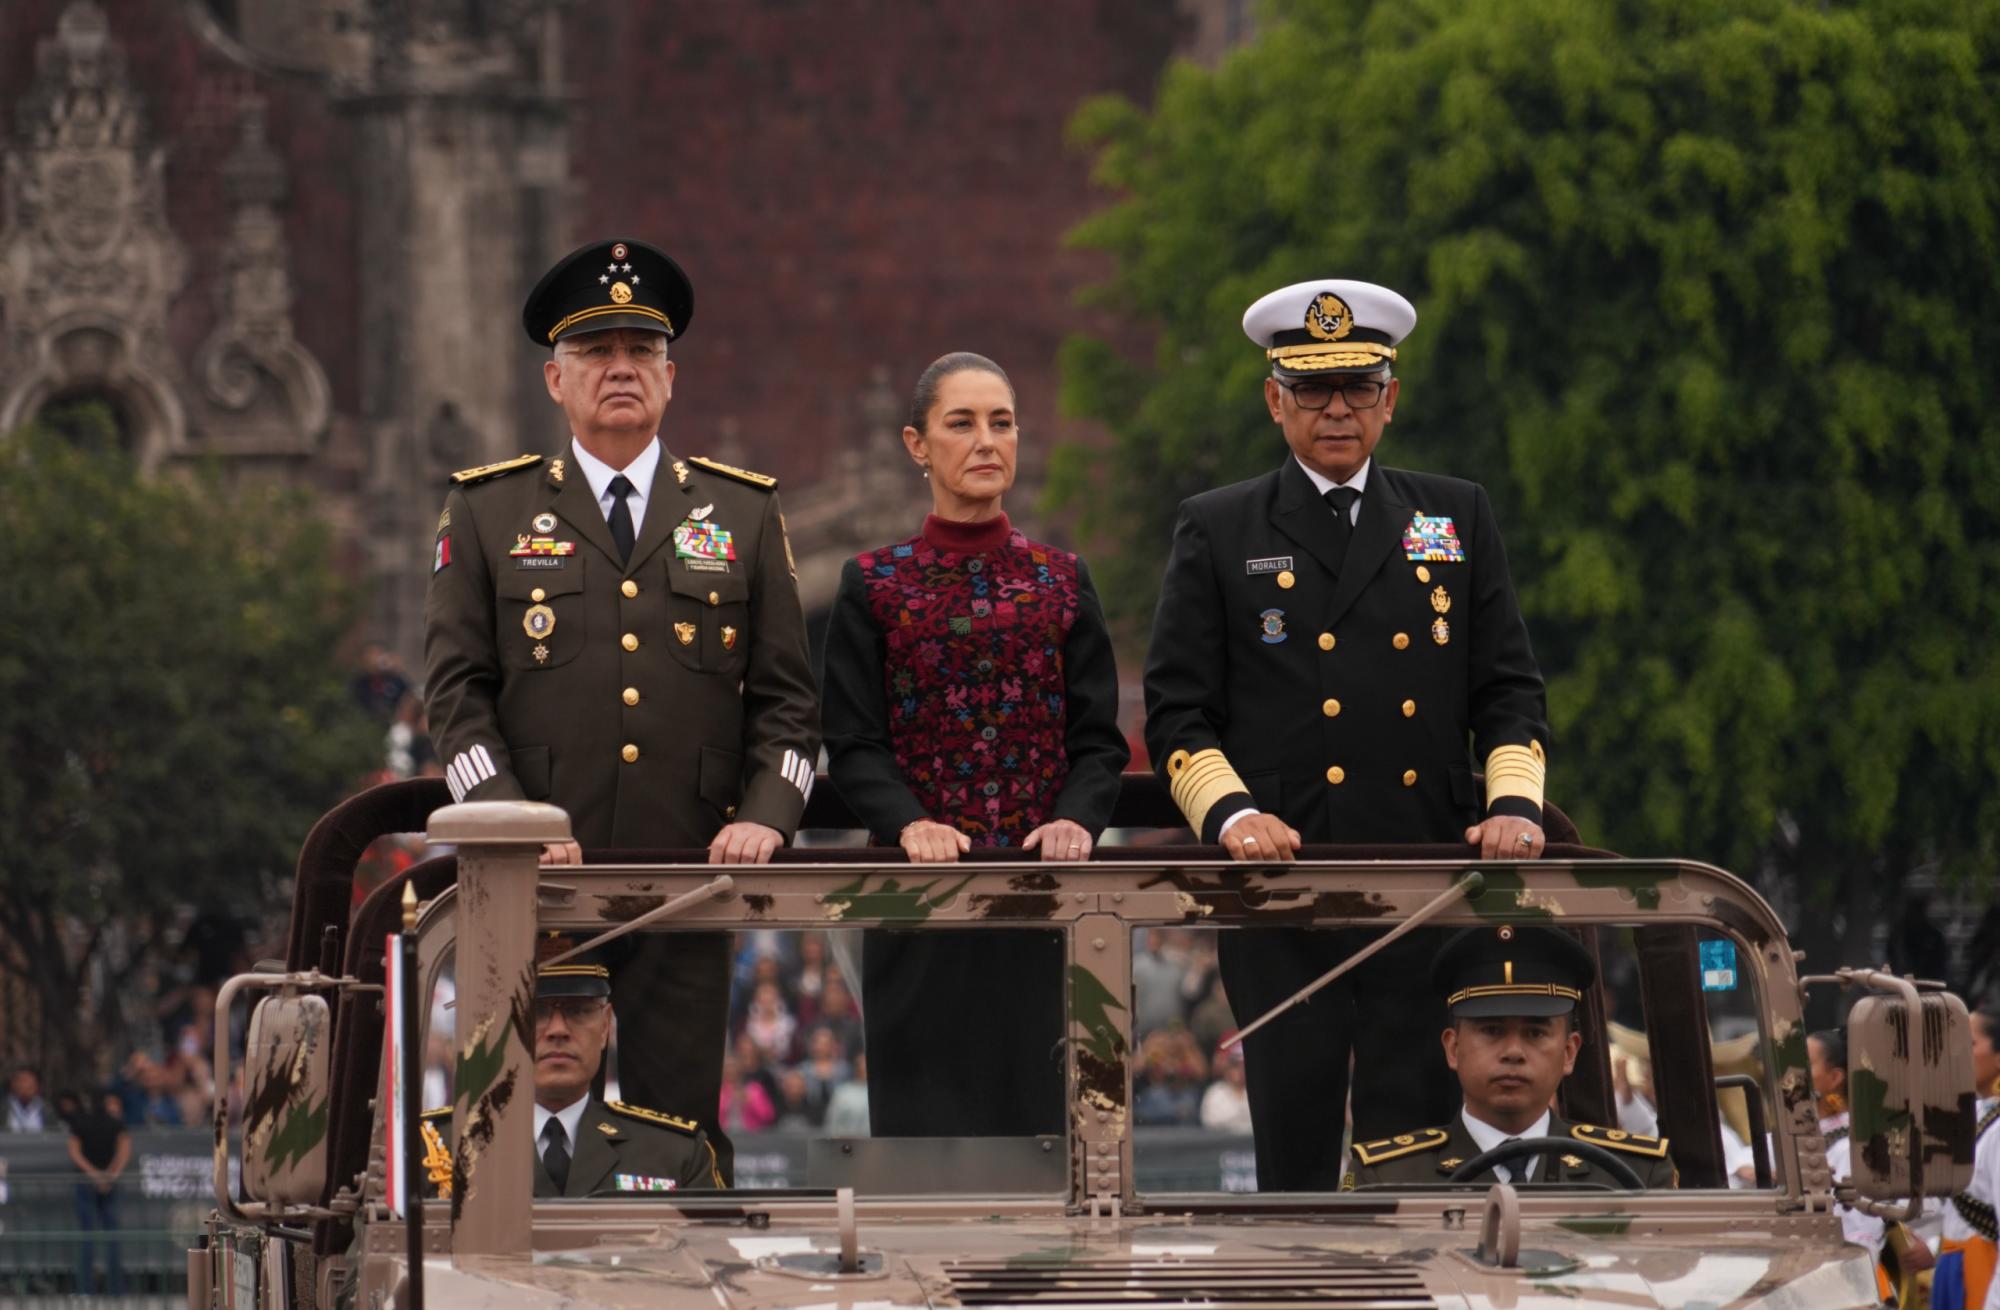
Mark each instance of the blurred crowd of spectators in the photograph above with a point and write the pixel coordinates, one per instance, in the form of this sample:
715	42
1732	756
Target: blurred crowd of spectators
1183	1077
796	1061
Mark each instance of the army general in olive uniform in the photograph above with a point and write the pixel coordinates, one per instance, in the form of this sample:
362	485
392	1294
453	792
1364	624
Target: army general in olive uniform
616	629
1336	643
584	1145
1512	994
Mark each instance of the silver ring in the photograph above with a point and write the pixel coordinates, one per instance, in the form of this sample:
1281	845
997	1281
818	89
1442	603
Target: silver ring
1249	841
1076	846
1527	840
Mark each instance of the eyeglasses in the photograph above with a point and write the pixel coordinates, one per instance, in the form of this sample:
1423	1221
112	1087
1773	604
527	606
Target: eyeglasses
573	1009
1362	394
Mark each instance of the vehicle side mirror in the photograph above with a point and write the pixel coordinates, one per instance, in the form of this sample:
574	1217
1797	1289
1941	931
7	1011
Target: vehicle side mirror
1908	1072
285	1058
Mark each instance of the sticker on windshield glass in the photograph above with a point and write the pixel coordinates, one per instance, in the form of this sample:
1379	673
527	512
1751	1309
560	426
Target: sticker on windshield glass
1718	966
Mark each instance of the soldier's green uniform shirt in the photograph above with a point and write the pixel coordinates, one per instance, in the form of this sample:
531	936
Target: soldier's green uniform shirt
655	700
619	1148
1429	1155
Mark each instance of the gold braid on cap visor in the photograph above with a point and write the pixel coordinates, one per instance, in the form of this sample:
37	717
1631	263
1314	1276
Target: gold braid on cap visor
1198	781
1515	989
1348	354
644	311
574	971
1515	771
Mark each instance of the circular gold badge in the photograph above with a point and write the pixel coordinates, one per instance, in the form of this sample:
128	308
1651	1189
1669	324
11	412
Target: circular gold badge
539	621
1328	317
620	292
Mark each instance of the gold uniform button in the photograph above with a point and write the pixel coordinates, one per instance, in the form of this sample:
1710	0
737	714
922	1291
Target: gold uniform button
1326	641
1401	641
1409	709
1330	708
1336	775
538	595
714	598
628	588
629	642
1285	580
729	811
630	753
631	696
1409	777
1423	574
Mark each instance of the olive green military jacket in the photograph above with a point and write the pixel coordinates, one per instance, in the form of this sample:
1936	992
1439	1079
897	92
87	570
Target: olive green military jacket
1429	1155
655	700
619	1148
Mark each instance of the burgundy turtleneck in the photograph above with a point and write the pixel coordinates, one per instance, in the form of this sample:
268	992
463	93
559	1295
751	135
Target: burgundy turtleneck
950	535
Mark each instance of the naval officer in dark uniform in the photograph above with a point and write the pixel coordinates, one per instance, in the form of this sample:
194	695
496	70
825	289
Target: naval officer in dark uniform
616	629
1336	643
1512	994
584	1144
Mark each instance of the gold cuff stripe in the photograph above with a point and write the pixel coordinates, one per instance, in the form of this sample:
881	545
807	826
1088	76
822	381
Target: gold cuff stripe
1201	780
646	311
1515	989
1515	771
574	971
1369	348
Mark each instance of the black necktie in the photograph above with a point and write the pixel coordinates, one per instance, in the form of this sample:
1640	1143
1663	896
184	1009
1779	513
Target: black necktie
1341	500
555	1143
622	535
1521	1165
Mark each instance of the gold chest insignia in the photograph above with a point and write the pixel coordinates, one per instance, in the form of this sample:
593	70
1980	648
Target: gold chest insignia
728	637
1440	632
539	621
685	631
1441	600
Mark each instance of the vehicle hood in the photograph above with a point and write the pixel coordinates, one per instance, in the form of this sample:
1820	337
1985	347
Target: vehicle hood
1238	1263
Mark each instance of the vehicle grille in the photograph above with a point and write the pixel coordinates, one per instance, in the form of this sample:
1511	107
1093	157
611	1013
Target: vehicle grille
1296	1282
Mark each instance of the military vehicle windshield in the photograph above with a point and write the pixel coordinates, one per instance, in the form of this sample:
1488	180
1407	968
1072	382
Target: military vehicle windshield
1373	1084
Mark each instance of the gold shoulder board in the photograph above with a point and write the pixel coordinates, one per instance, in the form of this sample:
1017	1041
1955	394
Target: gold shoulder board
443	1111
1390	1148
763	480
653	1116
485	471
1617	1139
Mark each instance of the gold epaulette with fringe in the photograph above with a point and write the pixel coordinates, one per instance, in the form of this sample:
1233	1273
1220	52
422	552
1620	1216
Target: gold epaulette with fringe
641	1113
763	480
1402	1144
466	476
1618	1139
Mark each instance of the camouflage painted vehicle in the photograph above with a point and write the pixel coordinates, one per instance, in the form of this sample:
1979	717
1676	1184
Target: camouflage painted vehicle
1066	1221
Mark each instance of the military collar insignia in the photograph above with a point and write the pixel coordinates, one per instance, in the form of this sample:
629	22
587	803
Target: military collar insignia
1328	318
1433	537
556	472
609	1130
1450	1162
1572	1161
680	472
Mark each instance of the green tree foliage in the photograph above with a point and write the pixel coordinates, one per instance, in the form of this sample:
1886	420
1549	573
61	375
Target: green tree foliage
1707	295
174	714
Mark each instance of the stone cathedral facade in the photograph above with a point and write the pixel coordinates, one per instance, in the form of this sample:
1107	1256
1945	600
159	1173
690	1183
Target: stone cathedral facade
294	235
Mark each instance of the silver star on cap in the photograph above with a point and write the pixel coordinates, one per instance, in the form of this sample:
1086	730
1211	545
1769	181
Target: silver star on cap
611	268
603	277
635	279
627	268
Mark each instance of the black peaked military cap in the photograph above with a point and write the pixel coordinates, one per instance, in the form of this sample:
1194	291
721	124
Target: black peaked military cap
1503	971
581	975
609	284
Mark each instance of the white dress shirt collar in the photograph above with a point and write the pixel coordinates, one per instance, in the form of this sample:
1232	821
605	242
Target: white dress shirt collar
1323	484
570	1116
639	472
1486	1136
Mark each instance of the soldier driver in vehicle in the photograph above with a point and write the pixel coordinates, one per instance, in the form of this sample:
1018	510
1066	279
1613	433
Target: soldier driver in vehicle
1512	995
584	1145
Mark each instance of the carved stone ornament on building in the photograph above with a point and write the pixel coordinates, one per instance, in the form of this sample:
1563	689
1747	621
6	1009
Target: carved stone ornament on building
262	391
88	265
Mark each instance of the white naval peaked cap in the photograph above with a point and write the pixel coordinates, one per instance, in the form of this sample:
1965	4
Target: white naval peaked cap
1331	325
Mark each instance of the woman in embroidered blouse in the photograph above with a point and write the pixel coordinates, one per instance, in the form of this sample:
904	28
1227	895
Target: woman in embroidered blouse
969	699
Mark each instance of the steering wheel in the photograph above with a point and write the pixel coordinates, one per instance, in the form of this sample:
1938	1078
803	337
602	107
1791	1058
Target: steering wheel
1621	1173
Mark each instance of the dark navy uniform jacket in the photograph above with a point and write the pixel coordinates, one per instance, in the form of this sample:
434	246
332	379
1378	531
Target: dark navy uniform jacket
1343	693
